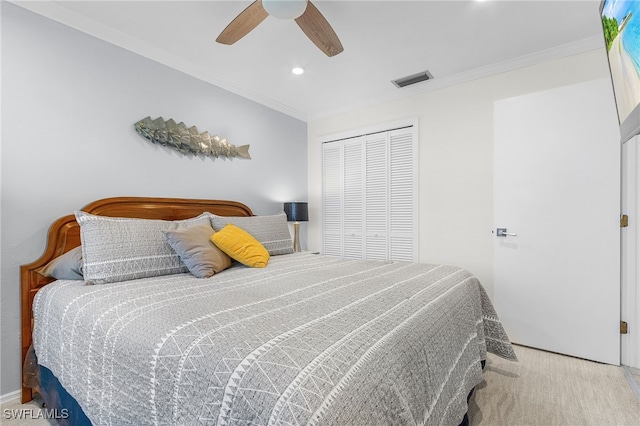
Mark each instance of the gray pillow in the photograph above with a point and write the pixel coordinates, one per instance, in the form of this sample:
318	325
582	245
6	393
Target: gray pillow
119	249
67	266
197	252
271	231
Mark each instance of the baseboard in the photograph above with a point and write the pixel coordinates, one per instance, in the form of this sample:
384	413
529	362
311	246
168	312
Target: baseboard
11	397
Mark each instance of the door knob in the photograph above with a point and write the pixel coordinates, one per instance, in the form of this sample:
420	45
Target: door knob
502	232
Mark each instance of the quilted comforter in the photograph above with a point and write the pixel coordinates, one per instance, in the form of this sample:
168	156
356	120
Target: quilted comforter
307	340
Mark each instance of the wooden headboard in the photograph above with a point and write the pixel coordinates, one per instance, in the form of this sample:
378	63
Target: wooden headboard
64	235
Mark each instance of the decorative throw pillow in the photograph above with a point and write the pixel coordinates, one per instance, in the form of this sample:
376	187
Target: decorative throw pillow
119	249
271	231
67	266
241	246
197	251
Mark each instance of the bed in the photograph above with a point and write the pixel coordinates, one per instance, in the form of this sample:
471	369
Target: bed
307	339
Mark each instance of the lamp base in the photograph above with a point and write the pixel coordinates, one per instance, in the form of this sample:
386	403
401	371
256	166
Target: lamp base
296	239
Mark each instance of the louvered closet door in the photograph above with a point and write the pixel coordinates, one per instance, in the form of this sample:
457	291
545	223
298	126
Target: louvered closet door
376	197
370	196
353	197
402	195
332	198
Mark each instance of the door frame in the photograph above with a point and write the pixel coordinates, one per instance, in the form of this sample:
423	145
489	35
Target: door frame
629	261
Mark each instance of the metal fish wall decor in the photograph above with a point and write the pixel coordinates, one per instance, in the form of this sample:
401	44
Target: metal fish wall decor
188	140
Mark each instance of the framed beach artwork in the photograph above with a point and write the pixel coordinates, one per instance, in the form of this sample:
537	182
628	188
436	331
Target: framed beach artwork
621	28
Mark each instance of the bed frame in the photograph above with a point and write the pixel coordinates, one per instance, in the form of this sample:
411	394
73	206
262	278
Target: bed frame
64	235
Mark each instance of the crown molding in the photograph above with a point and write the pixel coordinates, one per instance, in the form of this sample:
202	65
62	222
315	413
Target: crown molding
81	23
558	52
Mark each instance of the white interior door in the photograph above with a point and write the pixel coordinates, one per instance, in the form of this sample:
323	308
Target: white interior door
630	238
557	187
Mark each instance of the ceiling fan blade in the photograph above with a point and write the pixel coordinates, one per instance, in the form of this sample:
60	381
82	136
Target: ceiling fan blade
316	27
246	21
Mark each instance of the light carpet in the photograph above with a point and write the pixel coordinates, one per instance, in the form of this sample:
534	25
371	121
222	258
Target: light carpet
547	389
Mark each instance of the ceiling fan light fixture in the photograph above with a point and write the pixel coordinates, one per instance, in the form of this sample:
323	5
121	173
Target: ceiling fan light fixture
312	23
285	9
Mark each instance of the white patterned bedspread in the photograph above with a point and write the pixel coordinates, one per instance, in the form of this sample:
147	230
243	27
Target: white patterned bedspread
307	340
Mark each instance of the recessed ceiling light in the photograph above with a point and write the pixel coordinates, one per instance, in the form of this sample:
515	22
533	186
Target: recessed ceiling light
297	71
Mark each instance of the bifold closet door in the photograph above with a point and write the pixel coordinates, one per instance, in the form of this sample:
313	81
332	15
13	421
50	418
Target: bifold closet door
370	196
332	161
403	196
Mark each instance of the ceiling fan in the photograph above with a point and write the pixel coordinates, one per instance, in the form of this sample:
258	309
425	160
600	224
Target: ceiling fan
307	16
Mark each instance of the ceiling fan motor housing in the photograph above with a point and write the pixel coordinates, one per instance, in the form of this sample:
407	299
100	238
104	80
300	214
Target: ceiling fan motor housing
285	9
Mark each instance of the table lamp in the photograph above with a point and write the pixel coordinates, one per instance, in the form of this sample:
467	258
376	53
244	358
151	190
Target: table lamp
296	211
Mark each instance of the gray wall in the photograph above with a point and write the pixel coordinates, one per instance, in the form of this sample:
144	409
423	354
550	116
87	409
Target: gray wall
69	102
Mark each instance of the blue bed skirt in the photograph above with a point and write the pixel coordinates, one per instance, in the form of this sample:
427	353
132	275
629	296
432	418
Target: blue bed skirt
57	398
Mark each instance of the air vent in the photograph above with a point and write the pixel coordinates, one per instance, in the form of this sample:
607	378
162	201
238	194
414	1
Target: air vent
412	79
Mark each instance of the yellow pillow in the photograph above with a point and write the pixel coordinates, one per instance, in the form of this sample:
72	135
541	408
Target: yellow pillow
241	246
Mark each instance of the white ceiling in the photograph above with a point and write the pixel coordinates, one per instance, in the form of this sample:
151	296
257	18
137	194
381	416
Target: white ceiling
383	40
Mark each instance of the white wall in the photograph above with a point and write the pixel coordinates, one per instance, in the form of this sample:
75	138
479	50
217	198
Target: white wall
455	156
69	102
